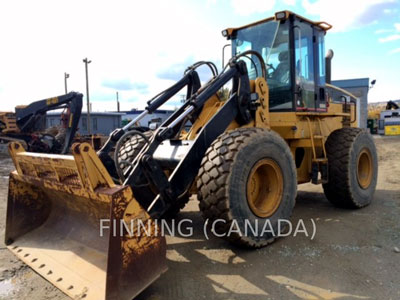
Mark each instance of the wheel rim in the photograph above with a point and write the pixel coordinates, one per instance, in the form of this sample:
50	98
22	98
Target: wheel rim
364	168
265	188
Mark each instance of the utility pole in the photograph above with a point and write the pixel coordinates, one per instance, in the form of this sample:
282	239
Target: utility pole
86	61
117	103
66	76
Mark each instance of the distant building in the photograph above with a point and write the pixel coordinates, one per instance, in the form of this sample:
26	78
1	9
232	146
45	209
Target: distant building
157	116
358	87
106	122
101	122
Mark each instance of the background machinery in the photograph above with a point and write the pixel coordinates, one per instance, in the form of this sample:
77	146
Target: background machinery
28	124
389	121
384	118
243	156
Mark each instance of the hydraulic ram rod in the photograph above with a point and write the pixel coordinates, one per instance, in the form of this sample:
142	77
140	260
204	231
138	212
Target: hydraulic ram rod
135	120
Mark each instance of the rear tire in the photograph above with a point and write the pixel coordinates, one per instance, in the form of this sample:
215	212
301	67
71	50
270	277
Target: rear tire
233	185
352	168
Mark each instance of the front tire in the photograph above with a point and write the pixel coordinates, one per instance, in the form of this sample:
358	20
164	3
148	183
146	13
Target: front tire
130	148
247	176
127	154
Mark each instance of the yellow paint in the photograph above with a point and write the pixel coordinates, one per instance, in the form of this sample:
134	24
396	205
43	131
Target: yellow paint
10	122
392	130
211	106
51	101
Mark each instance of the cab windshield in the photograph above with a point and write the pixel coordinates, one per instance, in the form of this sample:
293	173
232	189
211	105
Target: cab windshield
271	40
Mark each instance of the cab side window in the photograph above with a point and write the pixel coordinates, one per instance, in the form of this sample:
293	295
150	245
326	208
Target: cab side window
304	68
279	71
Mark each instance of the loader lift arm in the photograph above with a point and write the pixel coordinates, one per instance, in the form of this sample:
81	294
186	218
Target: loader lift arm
191	80
240	107
28	116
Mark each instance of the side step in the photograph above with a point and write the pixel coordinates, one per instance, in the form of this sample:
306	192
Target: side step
319	164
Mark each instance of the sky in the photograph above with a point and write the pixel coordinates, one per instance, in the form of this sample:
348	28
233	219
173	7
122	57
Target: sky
139	48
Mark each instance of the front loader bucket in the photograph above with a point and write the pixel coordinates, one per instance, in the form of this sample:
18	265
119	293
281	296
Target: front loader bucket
64	220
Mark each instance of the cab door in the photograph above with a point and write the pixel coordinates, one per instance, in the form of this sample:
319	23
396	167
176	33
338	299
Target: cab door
309	67
319	62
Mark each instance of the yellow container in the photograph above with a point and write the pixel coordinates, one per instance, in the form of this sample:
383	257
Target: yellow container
392	130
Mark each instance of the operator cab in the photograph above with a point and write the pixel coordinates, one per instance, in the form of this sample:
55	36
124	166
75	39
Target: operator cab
294	54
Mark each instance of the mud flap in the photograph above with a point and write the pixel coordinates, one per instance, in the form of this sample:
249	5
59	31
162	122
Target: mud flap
64	220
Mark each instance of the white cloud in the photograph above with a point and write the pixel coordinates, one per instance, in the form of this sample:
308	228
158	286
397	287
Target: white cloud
389	38
345	15
390	11
125	39
380	31
248	7
290	2
395	51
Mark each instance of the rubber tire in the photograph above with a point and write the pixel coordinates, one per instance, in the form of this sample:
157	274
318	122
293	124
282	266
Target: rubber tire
128	152
222	183
343	147
132	147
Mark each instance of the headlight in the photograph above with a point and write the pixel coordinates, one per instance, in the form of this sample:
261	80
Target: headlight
280	15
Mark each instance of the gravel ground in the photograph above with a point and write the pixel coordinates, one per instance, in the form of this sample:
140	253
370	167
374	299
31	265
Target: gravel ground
354	254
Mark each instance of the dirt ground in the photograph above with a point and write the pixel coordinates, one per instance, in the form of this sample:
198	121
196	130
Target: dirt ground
353	255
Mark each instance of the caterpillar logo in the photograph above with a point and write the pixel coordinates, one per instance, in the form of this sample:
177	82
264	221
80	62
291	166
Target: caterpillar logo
51	101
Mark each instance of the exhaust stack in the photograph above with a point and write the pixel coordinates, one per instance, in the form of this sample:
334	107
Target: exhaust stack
328	66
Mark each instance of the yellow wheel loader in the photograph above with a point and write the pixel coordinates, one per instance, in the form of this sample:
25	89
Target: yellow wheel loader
242	155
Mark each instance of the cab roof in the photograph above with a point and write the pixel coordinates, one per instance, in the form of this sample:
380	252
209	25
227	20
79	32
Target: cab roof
280	15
